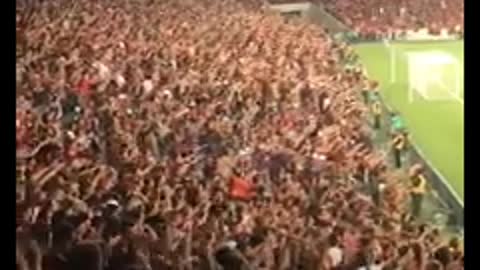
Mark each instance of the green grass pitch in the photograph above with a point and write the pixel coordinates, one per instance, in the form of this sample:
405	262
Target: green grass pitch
436	125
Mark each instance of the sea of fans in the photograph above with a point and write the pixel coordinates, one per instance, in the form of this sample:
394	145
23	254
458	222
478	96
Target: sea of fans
377	17
200	134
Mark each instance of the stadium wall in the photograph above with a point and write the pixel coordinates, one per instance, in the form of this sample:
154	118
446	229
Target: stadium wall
313	13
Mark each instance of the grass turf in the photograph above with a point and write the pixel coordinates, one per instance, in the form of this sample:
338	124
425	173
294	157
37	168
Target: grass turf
436	126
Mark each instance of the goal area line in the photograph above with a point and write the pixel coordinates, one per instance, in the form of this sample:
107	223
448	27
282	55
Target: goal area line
393	55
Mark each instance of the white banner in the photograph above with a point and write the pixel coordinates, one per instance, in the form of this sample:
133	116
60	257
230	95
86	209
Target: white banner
423	34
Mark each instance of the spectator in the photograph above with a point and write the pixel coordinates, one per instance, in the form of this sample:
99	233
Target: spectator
382	18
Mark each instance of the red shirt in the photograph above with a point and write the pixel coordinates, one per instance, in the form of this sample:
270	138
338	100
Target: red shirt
84	87
351	244
241	189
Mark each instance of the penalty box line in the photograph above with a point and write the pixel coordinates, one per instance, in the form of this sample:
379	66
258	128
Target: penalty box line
393	61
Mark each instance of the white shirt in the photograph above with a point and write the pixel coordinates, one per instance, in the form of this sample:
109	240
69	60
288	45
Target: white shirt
147	86
372	267
119	80
336	255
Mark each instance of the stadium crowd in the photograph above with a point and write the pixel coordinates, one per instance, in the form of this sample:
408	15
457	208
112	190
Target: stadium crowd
376	18
200	135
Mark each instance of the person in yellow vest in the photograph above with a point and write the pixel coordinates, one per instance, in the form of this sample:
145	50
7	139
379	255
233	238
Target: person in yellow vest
454	247
399	144
369	91
418	189
376	111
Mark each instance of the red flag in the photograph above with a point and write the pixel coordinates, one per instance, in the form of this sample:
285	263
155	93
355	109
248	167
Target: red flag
241	189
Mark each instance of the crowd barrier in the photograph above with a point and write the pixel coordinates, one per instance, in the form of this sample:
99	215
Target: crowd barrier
413	36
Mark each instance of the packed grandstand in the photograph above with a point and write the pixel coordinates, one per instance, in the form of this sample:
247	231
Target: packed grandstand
203	134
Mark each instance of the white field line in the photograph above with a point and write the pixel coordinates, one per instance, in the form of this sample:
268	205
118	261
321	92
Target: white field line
459	99
391	53
390	48
455	97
